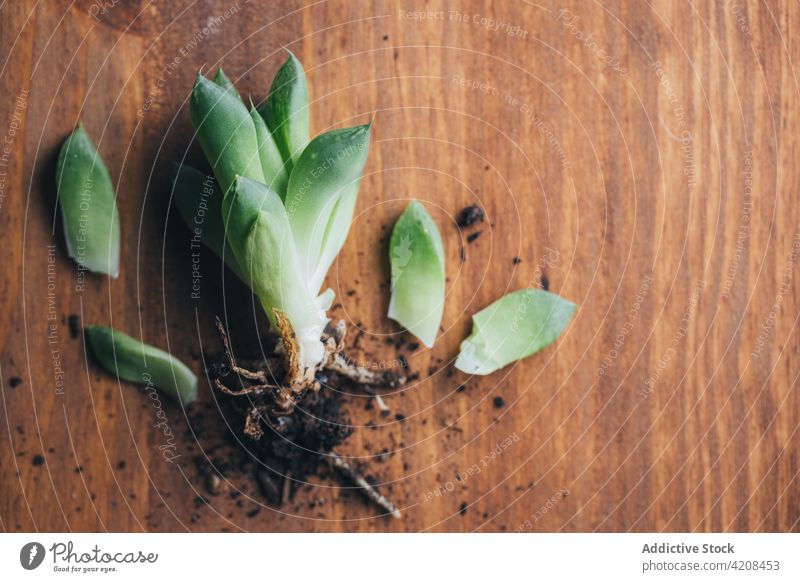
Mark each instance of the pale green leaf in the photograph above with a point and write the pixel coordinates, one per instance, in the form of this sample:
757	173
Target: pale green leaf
335	233
513	327
286	110
134	361
272	264
224	81
272	165
260	235
226	133
418	278
199	203
88	205
329	167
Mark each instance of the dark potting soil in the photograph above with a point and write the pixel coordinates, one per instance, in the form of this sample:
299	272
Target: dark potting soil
470	215
74	324
291	449
473	237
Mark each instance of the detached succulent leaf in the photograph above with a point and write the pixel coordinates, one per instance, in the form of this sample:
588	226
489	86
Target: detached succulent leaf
418	277
275	175
199	203
137	362
222	80
286	110
260	234
88	205
328	168
514	327
226	133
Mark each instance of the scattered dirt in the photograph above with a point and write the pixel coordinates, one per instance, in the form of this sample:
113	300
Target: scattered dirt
473	237
545	282
498	402
74	324
14	381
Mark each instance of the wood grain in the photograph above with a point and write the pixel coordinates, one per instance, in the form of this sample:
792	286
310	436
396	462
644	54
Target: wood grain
639	158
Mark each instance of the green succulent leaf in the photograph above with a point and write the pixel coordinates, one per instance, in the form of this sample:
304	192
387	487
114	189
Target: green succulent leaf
226	133
199	203
335	233
329	168
259	232
286	110
272	165
272	264
418	277
224	81
88	205
514	327
137	362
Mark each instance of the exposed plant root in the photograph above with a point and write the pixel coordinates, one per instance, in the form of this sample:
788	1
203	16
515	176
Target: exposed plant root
252	424
243	372
290	387
364	376
370	492
283	397
381	404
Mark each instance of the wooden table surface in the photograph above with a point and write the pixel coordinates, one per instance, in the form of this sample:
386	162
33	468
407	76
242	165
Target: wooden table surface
641	159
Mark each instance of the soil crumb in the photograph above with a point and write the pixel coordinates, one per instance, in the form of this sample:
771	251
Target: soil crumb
473	237
470	215
545	282
74	323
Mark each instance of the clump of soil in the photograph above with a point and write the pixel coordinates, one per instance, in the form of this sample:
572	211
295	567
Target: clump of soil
282	446
74	323
281	460
299	444
470	215
473	237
